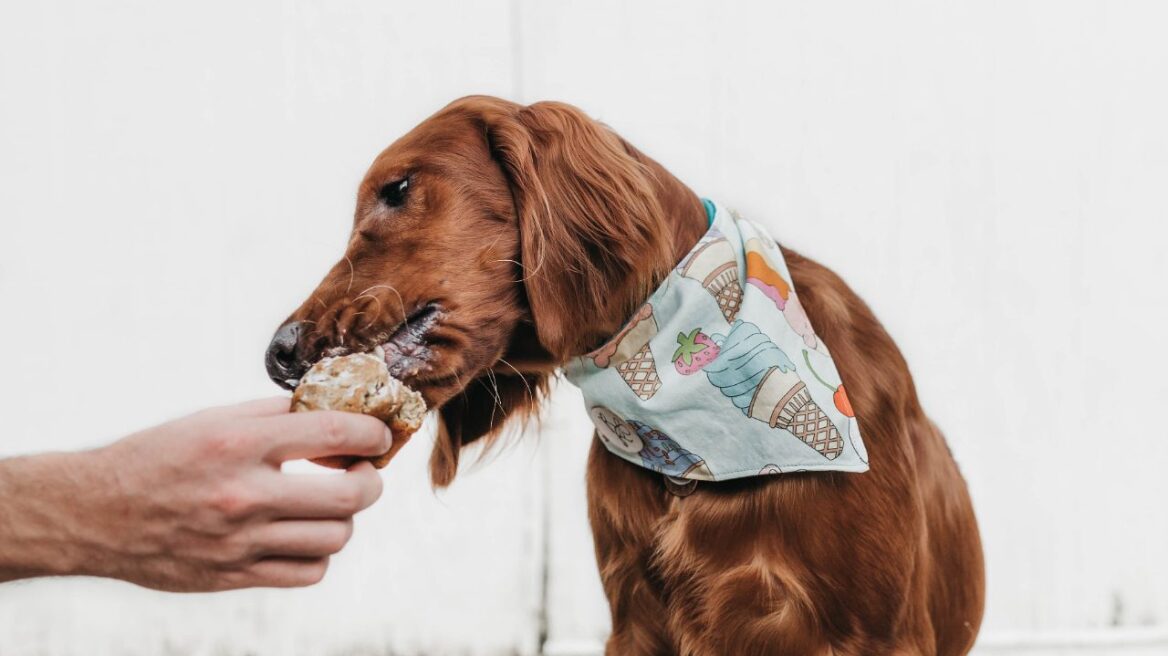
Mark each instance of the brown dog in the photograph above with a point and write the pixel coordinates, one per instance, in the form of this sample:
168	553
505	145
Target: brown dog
494	242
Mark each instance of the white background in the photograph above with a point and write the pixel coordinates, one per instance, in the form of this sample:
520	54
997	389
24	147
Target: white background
992	177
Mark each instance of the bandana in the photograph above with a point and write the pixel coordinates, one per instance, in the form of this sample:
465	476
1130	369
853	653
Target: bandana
720	375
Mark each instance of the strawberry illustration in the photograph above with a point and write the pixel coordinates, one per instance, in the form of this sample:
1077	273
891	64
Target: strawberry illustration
694	351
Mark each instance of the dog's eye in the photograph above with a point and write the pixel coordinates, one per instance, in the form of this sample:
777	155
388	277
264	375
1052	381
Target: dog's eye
394	193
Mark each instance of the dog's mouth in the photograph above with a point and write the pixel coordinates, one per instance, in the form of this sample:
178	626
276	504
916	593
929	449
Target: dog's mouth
405	349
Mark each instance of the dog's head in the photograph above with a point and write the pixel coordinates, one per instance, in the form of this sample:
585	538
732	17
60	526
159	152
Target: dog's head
489	245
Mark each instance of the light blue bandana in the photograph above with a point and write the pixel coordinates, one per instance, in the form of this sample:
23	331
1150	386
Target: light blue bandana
720	374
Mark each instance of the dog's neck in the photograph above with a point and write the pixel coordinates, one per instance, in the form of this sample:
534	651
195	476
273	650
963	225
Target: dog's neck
682	208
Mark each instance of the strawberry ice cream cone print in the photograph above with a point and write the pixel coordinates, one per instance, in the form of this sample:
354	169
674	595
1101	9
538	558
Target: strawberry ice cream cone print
771	283
759	378
629	352
712	263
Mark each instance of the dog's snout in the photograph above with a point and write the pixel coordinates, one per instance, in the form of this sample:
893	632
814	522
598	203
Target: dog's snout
285	366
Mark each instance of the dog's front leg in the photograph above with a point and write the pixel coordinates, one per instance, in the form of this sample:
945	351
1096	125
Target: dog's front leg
670	591
625	504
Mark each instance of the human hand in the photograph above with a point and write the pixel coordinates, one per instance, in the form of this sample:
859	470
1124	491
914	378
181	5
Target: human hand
200	503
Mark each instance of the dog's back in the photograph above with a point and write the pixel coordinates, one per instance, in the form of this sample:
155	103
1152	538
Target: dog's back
888	561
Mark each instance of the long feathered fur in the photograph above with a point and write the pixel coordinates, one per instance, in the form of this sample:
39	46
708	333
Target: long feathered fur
543	231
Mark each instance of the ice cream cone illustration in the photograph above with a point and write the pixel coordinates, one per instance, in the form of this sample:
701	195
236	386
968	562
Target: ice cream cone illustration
712	263
844	405
771	283
629	352
764	277
661	454
759	378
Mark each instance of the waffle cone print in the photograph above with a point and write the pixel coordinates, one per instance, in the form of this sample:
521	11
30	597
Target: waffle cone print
712	263
629	352
795	412
759	378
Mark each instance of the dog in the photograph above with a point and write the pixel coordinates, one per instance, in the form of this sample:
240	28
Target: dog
496	242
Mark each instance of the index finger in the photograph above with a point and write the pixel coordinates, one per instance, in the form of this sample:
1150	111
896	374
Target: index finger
272	405
322	433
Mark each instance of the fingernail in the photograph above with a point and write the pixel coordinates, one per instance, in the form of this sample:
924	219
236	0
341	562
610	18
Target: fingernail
388	438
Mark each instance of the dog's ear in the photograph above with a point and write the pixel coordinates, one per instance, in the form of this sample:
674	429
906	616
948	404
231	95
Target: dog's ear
593	244
479	411
591	226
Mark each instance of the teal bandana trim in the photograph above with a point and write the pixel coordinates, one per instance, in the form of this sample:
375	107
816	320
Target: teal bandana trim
720	375
710	210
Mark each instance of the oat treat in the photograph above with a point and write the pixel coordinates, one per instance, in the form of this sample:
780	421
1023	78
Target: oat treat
361	383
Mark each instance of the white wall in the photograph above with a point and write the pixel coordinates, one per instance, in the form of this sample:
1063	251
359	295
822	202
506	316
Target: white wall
990	177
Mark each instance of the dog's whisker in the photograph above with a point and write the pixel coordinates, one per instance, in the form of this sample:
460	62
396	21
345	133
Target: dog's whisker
497	238
340	330
495	384
369	289
498	399
375	300
461	387
494	389
400	302
516	263
530	395
352	273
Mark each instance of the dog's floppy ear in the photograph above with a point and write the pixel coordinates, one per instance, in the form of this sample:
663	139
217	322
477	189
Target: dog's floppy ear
592	236
593	243
479	411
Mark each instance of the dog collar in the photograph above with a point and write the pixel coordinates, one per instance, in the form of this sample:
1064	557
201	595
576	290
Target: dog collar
719	375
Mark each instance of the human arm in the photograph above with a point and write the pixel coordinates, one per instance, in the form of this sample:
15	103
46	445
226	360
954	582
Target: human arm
196	504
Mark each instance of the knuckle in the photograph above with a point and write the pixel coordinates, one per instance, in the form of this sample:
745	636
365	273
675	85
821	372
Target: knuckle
332	430
233	502
224	443
349	499
217	444
233	554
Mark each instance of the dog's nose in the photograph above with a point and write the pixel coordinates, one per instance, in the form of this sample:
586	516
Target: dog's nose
284	367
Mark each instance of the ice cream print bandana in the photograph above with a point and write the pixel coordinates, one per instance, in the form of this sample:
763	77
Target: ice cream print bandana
719	374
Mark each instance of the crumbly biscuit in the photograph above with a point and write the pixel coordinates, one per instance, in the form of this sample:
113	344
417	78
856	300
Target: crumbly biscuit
361	383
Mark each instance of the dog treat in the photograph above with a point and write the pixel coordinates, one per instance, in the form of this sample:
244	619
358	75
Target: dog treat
361	383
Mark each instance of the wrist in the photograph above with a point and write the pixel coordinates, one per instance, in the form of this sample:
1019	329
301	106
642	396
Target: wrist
43	516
